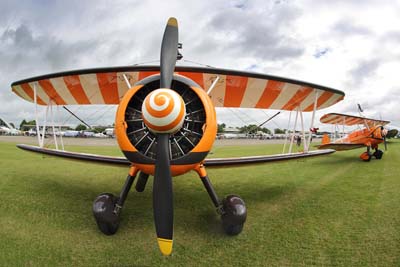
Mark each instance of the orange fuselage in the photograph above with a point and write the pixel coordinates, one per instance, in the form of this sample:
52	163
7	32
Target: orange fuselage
369	137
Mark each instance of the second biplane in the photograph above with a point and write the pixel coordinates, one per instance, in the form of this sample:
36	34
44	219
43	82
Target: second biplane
166	124
370	136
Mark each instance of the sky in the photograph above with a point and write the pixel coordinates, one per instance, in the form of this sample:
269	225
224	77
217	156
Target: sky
349	45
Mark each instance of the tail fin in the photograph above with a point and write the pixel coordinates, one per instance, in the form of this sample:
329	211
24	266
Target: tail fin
325	139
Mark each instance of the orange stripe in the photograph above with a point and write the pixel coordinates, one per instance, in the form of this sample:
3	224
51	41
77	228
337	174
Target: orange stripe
51	92
160	113
144	74
166	128
271	92
108	87
29	91
197	77
336	119
320	101
235	89
298	97
352	121
74	86
330	119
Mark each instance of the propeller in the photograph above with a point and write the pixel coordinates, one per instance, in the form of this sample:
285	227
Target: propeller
163	112
384	133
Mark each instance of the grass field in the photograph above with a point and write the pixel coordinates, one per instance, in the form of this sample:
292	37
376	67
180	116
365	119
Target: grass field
332	210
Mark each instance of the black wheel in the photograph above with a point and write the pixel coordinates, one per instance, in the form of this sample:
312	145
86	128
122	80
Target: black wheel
103	210
232	229
378	154
234	214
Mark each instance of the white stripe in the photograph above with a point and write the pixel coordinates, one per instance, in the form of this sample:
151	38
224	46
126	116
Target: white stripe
325	118
310	99
158	93
63	91
254	90
91	88
332	100
133	77
22	93
217	95
287	92
40	92
163	121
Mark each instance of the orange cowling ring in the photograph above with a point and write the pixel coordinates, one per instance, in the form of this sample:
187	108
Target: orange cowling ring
182	164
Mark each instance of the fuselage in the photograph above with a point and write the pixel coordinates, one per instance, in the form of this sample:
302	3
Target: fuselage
369	137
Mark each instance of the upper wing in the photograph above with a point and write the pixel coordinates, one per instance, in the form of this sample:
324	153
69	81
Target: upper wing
343	119
340	146
233	89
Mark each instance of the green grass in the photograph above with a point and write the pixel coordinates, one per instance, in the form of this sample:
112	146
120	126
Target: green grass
332	210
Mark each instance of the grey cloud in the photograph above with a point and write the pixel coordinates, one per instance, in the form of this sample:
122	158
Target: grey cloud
254	32
346	27
29	54
364	69
392	36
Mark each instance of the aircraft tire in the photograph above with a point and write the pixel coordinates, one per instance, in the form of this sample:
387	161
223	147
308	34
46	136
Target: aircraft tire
103	211
234	215
378	154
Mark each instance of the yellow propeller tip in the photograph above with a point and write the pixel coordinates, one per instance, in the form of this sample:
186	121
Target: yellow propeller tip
165	246
172	22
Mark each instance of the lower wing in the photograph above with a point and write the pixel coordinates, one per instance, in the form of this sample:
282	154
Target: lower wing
340	146
215	162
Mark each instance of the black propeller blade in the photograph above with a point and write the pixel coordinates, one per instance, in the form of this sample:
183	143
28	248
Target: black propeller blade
162	186
162	196
384	133
384	141
169	53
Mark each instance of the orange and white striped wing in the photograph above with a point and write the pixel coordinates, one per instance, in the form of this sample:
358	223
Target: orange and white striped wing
349	120
233	89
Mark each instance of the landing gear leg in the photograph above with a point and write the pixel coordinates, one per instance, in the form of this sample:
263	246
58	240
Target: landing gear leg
107	207
232	208
141	183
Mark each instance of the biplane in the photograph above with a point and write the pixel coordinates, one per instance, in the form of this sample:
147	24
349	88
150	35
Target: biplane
370	136
166	124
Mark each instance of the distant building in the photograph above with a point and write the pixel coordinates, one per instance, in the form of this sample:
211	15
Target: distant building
7	129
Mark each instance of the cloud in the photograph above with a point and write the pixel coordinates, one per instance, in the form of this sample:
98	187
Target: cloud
365	69
254	31
347	27
336	43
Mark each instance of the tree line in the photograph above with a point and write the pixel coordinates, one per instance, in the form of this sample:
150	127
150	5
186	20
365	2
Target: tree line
27	125
251	129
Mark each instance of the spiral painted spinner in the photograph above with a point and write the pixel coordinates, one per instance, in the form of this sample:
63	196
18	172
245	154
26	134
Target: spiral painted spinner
163	111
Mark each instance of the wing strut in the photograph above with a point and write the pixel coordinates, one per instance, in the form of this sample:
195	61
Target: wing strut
303	134
293	132
312	120
286	132
73	114
213	85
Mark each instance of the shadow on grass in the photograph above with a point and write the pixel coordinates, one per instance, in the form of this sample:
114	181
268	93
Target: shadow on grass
193	206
